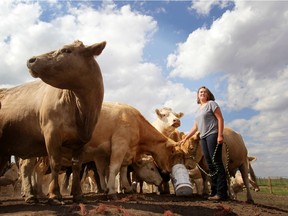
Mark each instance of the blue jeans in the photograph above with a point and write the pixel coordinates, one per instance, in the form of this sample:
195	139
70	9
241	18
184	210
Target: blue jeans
218	181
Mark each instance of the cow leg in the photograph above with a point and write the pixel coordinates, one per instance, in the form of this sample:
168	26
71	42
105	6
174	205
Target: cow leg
116	161
244	172
76	185
83	175
101	169
54	189
4	162
26	171
252	178
97	178
141	186
134	182
53	145
39	171
125	185
113	171
65	182
164	188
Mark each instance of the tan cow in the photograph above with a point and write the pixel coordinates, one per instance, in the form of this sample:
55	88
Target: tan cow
60	110
121	135
234	148
237	183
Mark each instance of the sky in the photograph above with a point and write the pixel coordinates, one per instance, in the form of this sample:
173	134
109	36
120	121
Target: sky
159	53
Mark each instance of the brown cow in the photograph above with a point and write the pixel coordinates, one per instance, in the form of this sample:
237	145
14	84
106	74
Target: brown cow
41	117
234	148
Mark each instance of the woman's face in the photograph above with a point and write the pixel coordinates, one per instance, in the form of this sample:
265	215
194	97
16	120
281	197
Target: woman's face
203	95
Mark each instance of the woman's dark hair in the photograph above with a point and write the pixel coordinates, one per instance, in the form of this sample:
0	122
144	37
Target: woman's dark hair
209	93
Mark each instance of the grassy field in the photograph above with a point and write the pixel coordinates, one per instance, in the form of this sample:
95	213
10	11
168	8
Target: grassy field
277	186
270	194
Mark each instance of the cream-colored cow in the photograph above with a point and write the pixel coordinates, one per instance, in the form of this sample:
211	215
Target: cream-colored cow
167	122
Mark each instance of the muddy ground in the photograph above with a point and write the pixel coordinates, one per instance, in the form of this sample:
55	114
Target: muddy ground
145	205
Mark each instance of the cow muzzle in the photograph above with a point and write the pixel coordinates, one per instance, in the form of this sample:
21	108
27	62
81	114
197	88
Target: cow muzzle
176	123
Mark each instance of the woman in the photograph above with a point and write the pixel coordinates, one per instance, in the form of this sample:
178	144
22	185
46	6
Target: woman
210	123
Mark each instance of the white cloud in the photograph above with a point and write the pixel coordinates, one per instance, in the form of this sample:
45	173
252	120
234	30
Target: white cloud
128	78
247	48
204	7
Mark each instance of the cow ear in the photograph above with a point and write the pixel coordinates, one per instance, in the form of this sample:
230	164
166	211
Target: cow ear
139	163
95	49
180	115
252	158
158	113
197	135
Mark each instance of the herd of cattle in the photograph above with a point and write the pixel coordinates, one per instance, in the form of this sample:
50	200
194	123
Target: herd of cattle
61	124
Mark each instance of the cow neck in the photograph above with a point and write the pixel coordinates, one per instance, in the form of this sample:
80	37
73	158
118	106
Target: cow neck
88	106
150	133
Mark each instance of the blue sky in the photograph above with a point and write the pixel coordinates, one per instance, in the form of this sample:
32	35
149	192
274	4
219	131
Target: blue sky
159	53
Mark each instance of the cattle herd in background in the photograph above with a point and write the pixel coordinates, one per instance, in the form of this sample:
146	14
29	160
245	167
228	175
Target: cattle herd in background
60	124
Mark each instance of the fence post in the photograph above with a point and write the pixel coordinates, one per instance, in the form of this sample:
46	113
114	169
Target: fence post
270	185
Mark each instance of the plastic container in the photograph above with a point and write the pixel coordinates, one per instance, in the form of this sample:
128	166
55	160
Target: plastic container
181	181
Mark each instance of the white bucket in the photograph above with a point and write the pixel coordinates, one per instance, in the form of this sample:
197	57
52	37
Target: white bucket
181	181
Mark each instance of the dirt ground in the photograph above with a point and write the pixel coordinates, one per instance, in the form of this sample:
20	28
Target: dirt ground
144	205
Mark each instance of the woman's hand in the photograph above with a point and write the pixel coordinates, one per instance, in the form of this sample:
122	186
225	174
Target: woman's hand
220	139
181	142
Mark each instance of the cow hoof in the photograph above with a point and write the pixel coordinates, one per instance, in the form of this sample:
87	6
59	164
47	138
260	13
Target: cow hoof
32	200
79	199
55	202
112	197
250	201
99	191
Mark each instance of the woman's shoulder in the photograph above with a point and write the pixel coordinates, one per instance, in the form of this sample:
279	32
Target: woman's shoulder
212	103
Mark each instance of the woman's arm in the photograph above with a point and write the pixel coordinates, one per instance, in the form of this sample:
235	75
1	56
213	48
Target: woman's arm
190	134
220	120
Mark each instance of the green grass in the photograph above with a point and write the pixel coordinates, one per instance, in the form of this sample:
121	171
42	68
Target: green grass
279	186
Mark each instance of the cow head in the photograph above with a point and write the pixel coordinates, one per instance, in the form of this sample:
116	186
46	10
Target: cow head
165	154
192	150
146	170
64	67
168	119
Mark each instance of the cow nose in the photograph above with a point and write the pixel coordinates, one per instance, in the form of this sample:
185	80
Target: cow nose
31	60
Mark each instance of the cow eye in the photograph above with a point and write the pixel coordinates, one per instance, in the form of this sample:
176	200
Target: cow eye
66	50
